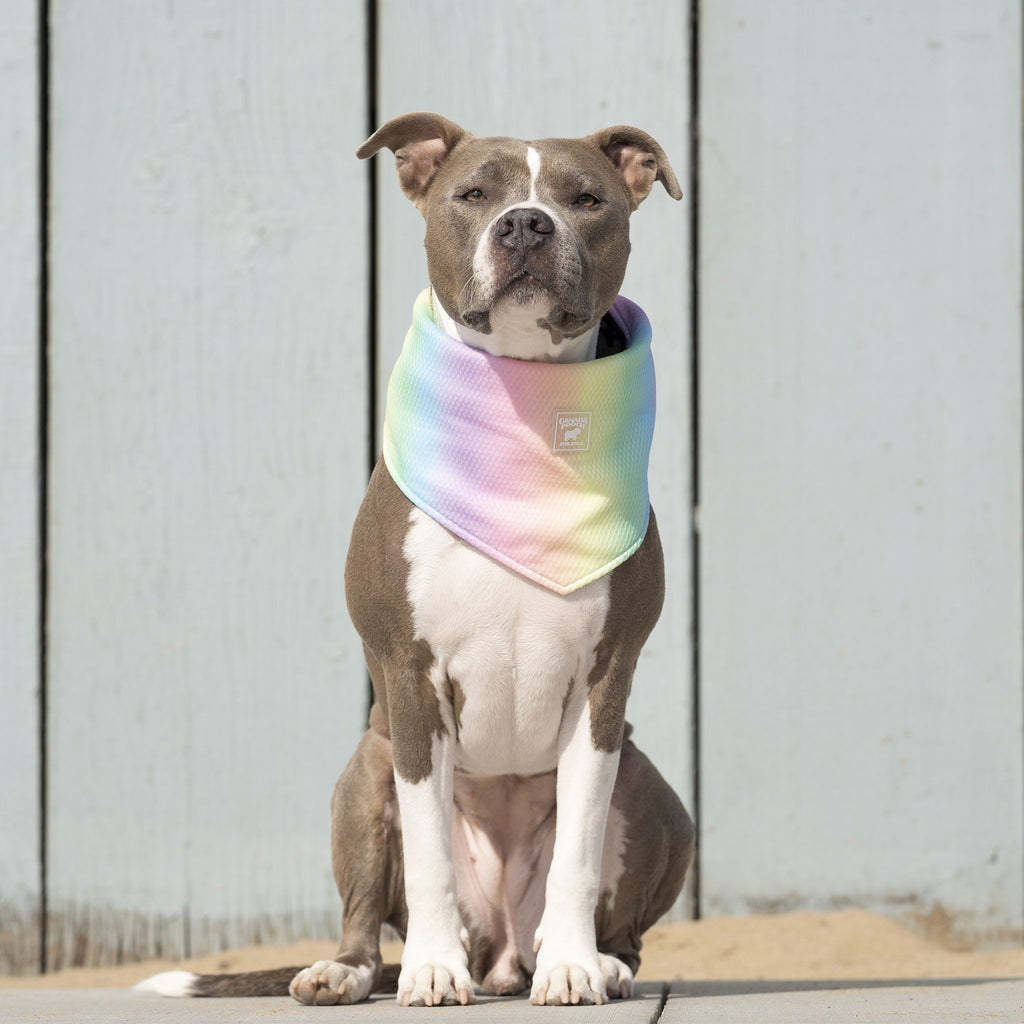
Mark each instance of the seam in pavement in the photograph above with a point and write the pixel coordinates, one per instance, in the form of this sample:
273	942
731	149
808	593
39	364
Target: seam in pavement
662	1003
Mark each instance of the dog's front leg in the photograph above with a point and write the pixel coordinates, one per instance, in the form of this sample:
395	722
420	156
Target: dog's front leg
434	962
568	965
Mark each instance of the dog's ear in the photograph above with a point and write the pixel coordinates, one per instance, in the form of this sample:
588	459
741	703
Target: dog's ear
640	160
421	142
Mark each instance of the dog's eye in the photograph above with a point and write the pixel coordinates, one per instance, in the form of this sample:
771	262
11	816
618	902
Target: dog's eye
586	199
474	195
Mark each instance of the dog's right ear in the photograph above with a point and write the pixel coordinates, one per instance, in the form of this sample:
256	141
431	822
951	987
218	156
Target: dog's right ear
421	142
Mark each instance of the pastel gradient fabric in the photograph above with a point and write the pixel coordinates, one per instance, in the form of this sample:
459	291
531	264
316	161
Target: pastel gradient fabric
542	466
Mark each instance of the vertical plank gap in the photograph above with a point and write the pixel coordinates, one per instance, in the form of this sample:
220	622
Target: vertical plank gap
43	438
695	623
1020	307
372	42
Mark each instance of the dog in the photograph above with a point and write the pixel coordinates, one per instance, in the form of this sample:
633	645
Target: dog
496	813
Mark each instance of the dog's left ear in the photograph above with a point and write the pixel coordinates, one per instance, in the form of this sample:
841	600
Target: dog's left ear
640	160
421	142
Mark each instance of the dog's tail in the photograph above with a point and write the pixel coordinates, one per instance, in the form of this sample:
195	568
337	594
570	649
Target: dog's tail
275	982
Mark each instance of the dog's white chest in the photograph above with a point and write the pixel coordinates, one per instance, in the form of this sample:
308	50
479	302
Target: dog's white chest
507	649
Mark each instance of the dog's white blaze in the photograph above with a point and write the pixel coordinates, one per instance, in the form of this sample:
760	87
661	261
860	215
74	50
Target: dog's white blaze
513	647
169	983
533	162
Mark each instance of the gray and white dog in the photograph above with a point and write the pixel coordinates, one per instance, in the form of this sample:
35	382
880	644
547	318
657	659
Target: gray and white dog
496	813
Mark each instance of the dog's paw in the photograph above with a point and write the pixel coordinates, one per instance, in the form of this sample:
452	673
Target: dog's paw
442	982
328	983
618	978
573	981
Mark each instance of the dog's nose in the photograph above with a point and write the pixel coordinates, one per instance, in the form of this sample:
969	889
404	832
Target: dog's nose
524	228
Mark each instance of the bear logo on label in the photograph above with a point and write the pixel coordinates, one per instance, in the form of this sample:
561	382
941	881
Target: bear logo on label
572	432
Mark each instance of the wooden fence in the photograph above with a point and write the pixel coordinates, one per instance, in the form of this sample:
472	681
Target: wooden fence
191	263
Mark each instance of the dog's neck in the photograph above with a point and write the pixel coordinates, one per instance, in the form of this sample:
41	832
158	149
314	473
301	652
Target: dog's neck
516	335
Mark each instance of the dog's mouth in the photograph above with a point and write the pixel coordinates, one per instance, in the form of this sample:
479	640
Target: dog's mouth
555	308
526	289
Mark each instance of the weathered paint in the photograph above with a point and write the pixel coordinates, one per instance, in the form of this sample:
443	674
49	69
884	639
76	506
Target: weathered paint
860	440
20	493
207	448
861	453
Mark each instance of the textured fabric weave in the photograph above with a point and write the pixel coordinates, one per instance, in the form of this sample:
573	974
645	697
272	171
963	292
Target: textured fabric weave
542	466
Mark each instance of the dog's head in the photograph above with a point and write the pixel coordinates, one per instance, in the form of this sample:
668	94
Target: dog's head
524	233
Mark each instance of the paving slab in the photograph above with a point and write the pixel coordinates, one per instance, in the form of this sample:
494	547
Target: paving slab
912	1001
113	1006
881	1002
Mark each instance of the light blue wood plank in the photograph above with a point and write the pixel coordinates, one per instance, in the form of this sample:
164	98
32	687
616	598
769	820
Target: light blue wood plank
19	489
209	453
861	453
536	70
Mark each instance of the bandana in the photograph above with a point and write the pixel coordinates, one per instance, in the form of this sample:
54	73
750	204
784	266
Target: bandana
542	466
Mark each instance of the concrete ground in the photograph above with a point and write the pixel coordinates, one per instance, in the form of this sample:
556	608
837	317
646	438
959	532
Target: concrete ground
888	1002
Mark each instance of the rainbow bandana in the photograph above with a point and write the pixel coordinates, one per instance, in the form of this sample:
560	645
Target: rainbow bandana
542	466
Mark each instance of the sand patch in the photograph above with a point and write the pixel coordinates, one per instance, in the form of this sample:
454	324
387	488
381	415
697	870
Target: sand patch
848	944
